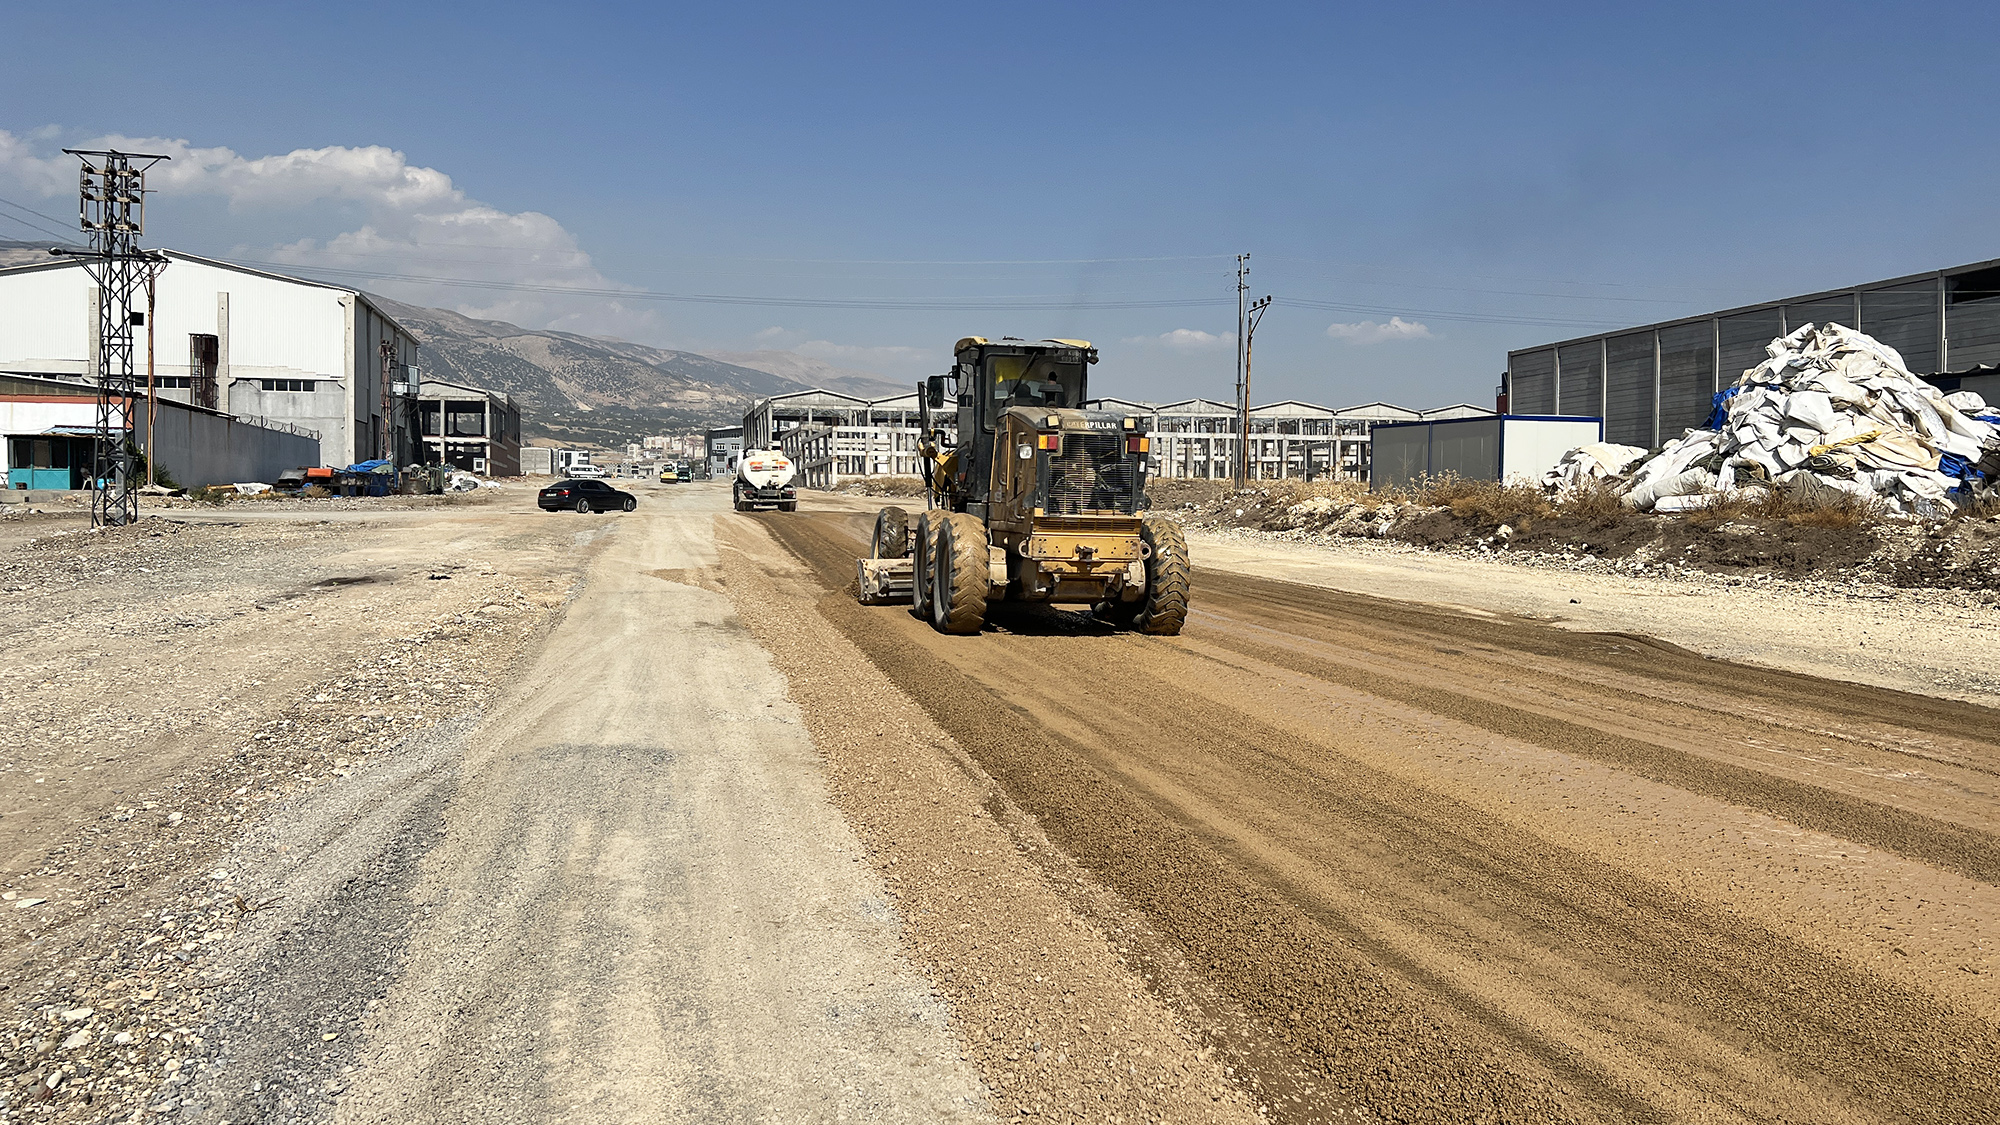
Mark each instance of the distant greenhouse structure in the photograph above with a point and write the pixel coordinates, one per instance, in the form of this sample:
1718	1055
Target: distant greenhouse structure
1652	382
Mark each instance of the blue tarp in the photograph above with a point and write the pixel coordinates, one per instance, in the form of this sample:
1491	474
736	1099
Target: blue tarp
1718	413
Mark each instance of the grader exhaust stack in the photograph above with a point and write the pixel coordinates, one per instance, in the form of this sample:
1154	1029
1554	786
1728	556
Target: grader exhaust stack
1030	497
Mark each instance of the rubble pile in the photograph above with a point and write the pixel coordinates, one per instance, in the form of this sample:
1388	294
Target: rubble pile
1601	462
1831	411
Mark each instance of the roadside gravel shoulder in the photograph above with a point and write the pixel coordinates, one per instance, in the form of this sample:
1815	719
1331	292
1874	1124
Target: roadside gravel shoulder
1935	642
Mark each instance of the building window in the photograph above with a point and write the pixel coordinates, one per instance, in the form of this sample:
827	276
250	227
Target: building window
173	382
288	384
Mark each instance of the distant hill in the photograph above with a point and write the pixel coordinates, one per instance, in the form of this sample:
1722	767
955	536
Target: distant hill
28	253
602	391
819	373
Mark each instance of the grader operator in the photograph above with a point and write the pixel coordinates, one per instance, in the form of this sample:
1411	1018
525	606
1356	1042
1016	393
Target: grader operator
1030	497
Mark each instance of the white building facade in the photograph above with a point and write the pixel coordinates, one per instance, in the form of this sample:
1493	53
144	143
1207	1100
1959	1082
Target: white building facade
257	345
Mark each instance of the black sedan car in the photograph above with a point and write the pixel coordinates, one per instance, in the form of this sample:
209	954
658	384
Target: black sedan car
584	496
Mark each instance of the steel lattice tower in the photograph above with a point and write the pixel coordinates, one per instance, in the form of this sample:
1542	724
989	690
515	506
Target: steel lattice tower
111	208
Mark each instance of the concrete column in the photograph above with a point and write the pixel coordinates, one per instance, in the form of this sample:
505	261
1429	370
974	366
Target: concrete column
222	351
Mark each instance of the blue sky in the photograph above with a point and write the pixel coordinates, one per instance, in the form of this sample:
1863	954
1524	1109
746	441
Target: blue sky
1422	186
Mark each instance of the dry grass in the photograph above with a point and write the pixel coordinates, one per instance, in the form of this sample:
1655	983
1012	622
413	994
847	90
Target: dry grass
1597	505
1832	509
1485	503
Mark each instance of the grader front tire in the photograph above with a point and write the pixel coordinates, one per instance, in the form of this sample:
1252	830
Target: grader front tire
1169	574
892	534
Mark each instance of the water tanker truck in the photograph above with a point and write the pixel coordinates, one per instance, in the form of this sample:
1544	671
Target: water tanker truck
764	480
1032	495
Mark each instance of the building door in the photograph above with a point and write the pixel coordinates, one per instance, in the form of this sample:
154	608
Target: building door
204	360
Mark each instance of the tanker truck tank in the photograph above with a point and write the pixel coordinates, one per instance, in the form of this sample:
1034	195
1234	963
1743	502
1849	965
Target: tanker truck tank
764	480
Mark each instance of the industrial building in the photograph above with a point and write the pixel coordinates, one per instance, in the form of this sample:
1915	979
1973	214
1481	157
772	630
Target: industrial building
260	346
49	429
470	428
1653	382
721	447
831	436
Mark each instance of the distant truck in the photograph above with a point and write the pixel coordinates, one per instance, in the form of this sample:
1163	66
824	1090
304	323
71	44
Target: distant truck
764	480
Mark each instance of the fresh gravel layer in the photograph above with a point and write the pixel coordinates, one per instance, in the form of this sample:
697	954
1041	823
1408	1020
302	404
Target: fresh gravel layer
1046	975
190	686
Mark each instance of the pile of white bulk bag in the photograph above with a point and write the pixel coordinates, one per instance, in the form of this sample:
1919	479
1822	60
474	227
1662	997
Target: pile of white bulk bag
1838	405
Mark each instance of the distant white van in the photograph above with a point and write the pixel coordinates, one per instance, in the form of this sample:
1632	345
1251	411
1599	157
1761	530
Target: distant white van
586	472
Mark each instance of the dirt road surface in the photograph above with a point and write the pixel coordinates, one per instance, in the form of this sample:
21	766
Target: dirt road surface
1430	864
459	811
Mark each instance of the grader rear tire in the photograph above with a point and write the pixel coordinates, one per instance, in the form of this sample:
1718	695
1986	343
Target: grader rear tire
1168	575
920	579
892	534
958	592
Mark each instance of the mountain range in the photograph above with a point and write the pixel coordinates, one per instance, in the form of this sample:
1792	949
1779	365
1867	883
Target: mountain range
602	391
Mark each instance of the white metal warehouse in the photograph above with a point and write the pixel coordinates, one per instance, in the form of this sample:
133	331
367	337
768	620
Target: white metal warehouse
257	345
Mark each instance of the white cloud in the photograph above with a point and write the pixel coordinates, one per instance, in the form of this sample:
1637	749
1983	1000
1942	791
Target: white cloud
415	224
23	167
1369	332
1187	339
773	333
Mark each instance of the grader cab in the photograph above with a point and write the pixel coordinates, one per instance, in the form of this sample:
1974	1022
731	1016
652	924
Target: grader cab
1030	497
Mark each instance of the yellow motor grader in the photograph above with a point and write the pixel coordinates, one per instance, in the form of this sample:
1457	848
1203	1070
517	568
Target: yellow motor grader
1030	497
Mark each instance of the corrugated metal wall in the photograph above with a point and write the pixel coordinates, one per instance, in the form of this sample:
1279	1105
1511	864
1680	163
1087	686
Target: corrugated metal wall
1687	377
1581	390
1905	317
1628	408
1831	310
1743	340
1533	383
1973	316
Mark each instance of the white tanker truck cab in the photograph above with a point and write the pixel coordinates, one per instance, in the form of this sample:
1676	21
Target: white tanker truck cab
764	480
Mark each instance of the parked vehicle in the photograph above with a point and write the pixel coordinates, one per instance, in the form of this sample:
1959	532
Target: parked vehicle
584	496
586	472
669	475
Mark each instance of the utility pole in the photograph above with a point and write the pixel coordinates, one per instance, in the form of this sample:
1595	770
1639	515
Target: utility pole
1256	314
111	209
1242	371
388	363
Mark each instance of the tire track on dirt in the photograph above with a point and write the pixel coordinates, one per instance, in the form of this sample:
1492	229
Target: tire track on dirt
1388	1029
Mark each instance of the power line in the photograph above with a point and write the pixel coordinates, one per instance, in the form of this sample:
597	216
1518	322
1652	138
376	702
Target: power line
31	223
1023	302
1439	314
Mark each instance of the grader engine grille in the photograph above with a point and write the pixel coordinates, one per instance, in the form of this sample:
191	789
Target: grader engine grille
1092	472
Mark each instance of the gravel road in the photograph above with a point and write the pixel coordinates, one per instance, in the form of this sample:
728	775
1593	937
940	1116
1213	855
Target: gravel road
1448	865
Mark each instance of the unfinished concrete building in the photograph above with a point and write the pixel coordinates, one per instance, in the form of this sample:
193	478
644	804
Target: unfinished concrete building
470	428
